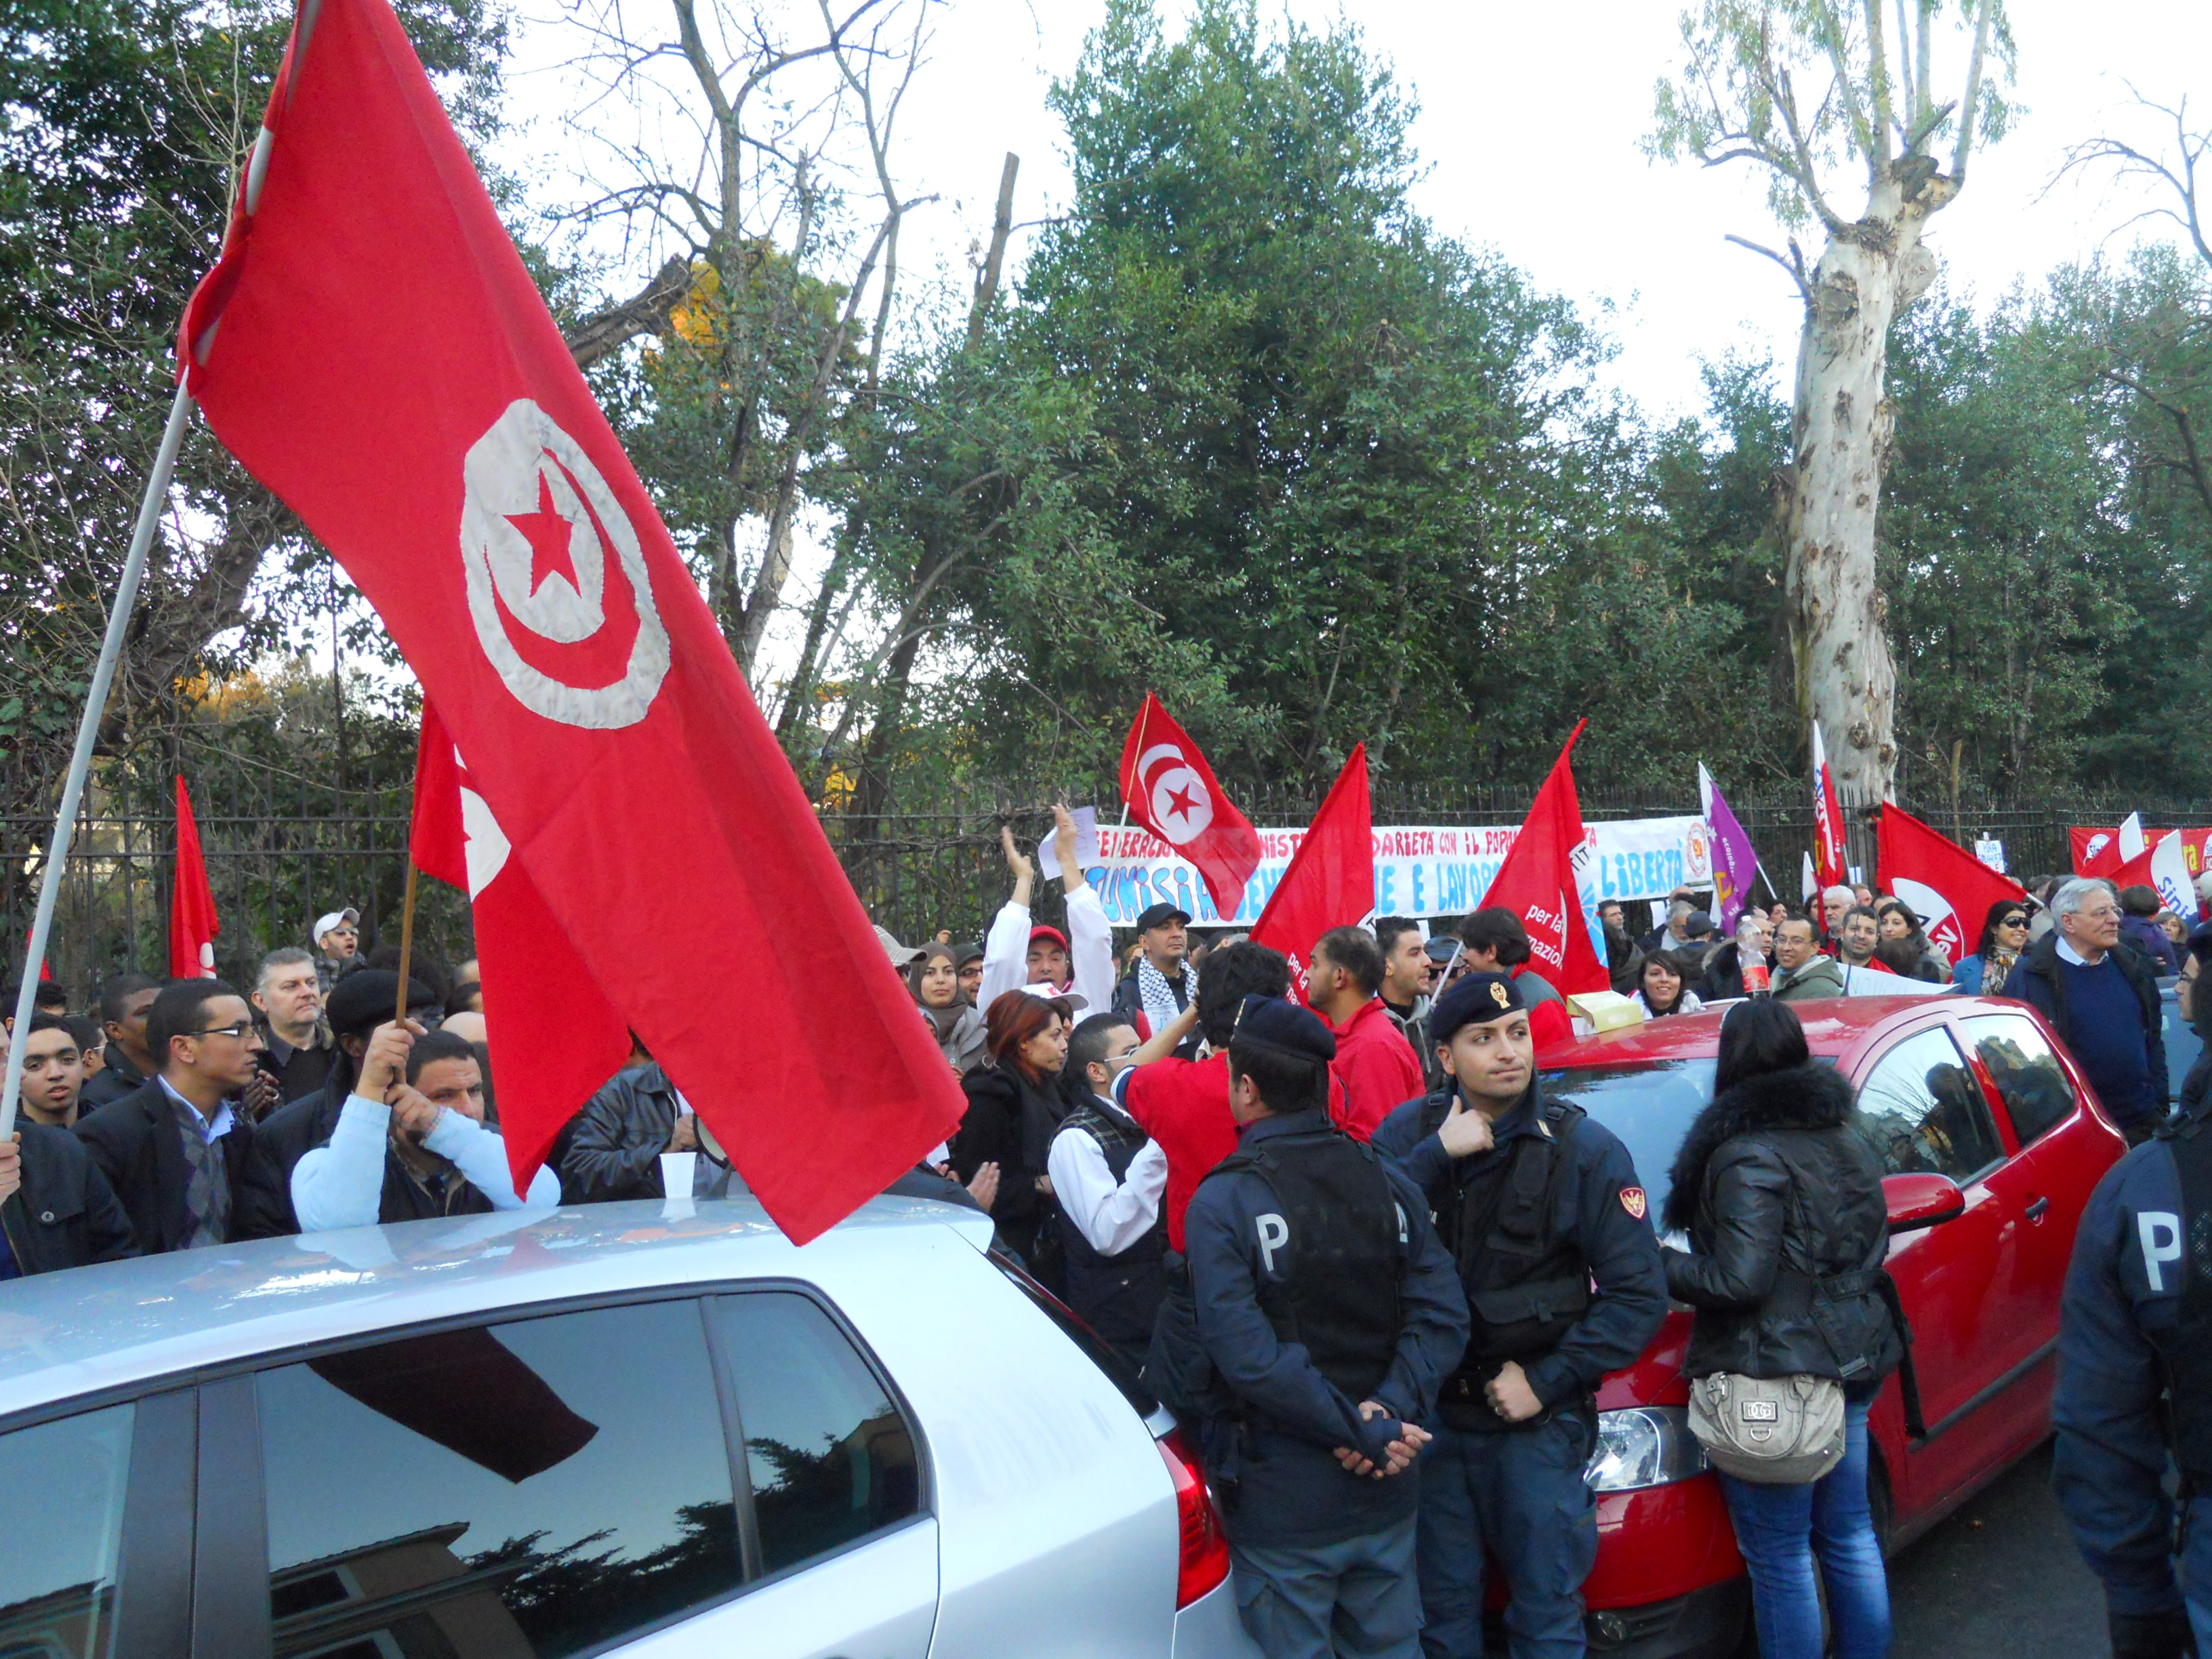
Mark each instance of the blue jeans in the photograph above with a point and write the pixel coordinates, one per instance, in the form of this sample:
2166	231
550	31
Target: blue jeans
1782	1530
1520	1495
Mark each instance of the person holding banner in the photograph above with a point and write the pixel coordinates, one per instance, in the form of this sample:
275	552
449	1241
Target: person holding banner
1017	953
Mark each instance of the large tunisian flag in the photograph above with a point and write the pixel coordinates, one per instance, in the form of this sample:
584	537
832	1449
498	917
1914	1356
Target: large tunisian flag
554	1036
372	348
192	924
1330	882
1537	883
1948	887
1172	792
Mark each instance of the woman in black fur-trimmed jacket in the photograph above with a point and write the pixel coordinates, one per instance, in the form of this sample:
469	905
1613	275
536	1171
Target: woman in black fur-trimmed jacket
1782	1200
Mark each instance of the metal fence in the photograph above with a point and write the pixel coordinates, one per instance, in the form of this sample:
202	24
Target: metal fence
282	848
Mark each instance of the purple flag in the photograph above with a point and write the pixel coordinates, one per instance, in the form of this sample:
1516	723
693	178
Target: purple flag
1734	862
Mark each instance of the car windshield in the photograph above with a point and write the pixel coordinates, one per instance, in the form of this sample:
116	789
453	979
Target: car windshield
1648	1106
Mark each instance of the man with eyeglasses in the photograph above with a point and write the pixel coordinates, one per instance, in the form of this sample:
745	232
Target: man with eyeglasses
176	1151
2103	1001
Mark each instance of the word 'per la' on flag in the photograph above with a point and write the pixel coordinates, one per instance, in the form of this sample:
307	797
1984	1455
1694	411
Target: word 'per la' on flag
372	348
1538	883
2162	866
1171	791
192	924
1734	864
1330	881
1949	887
554	1036
1831	863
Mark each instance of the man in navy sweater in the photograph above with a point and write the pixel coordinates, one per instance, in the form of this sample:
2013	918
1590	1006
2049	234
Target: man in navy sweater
2101	995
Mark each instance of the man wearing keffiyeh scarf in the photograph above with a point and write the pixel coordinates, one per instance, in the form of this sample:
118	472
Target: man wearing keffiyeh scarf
1163	984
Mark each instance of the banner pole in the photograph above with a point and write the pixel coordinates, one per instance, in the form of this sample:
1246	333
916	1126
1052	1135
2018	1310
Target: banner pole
87	730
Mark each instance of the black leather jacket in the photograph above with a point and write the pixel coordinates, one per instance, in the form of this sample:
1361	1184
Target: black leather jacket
1783	1202
614	1150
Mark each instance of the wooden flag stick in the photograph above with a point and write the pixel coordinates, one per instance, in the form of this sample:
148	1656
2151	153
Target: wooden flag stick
406	940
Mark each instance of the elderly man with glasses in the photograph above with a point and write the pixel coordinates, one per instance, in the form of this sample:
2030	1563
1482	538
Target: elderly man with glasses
175	1152
2101	996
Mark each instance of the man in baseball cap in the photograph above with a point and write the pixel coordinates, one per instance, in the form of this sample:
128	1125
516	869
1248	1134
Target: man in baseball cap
1537	1204
1160	986
1295	1243
337	940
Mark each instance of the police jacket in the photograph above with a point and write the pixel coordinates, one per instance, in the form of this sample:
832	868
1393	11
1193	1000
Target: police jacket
1531	1301
615	1151
1783	1203
2131	1328
2036	980
1318	1283
64	1214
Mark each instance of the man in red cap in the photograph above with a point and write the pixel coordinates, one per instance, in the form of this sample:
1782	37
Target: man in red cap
1017	953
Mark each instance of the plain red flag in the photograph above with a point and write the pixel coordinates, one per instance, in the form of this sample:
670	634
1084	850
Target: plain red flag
371	348
192	924
1171	791
1830	859
1949	888
554	1036
1537	883
1330	882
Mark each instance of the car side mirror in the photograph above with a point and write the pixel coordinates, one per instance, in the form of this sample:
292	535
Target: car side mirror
1920	1200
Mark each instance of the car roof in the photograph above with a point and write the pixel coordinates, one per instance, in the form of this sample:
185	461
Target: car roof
1833	1026
95	1330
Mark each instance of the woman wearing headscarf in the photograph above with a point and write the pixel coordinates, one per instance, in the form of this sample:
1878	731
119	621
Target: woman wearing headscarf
2004	936
1014	1109
934	978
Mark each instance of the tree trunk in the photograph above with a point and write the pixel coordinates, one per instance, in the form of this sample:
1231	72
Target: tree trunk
1870	272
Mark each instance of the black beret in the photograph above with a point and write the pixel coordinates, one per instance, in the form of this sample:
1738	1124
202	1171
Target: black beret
363	1000
1473	1000
1274	1023
1159	915
2200	941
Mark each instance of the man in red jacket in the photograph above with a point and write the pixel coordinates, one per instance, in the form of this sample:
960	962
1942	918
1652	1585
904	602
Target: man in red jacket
1374	1062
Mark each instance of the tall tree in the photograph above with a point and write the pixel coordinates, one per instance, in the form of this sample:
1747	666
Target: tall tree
1820	94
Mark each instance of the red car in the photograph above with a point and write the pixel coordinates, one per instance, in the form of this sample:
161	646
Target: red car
1993	1141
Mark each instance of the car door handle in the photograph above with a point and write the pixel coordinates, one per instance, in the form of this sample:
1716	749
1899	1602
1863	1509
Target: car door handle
2036	1207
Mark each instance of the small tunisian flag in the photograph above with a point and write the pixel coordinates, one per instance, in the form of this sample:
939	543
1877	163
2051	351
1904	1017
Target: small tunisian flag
372	348
1831	863
1947	887
1171	792
554	1036
192	924
1537	883
1330	882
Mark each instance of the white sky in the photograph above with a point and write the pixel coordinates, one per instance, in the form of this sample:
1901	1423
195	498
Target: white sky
1531	118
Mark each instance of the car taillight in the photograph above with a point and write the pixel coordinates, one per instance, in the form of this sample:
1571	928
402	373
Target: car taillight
1203	1560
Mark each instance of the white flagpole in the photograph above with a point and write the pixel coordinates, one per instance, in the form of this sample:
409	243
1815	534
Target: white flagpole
95	701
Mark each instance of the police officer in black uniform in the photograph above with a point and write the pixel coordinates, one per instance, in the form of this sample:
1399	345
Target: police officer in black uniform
1543	1213
1328	1312
2136	1322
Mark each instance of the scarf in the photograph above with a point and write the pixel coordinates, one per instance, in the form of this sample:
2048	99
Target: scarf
1159	997
1995	967
960	1037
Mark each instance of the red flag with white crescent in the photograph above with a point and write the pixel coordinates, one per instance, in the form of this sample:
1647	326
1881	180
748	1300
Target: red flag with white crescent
1171	791
371	347
192	923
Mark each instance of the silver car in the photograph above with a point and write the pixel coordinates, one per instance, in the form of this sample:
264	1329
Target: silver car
639	1428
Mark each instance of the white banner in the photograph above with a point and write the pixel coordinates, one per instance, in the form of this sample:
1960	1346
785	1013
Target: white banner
1419	869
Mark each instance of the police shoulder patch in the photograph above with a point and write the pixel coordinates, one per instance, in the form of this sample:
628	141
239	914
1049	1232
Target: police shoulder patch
1633	1200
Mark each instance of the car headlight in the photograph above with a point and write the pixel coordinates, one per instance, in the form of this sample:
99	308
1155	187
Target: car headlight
1644	1446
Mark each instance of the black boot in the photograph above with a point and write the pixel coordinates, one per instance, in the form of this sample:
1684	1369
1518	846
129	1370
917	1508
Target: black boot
2152	1636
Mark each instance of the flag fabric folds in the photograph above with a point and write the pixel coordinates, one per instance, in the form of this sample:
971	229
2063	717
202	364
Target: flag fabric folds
372	348
1830	858
1171	791
2163	866
1947	887
1330	882
192	923
554	1036
1538	883
1734	864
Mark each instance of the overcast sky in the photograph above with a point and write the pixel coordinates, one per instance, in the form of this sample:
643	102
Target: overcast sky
1531	121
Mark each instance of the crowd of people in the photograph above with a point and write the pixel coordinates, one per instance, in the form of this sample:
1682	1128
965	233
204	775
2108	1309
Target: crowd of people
1218	1177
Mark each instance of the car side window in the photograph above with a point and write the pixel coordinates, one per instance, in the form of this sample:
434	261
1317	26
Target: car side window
1924	1110
2030	1080
521	1491
60	1570
830	1457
